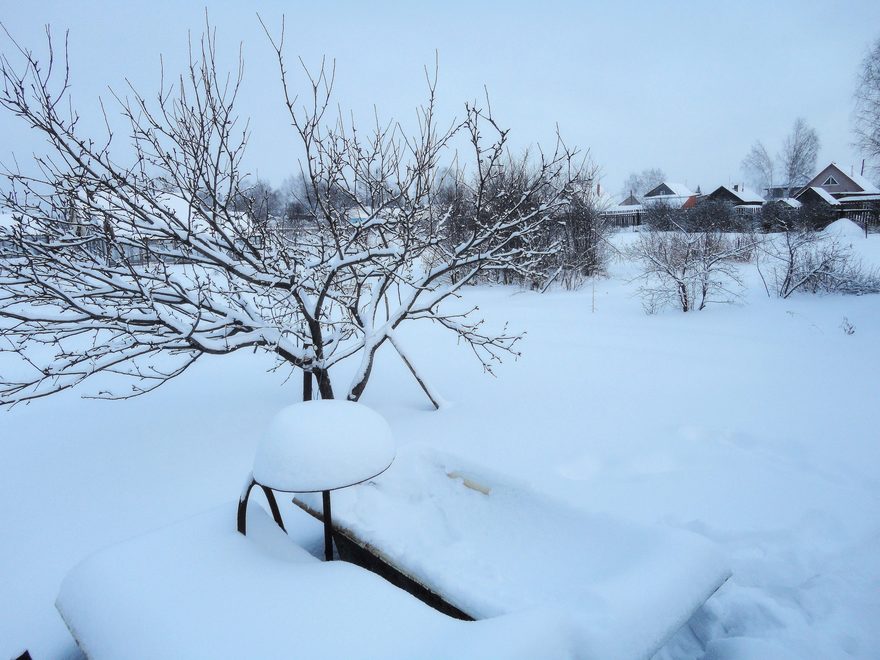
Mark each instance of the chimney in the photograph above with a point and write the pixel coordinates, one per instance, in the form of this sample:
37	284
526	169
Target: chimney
598	190
735	187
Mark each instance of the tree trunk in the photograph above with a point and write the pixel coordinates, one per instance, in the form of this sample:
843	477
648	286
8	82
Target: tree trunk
359	387
324	386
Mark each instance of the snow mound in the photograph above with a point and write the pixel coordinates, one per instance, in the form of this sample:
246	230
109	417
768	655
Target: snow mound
198	589
844	229
323	445
491	546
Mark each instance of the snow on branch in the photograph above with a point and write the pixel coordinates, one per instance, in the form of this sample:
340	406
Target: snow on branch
138	267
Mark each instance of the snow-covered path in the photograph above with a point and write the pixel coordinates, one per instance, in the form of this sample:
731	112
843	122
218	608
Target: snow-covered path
756	425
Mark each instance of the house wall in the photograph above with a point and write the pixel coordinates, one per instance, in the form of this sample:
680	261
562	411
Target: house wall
844	184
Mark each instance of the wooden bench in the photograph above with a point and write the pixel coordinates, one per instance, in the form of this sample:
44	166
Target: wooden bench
477	544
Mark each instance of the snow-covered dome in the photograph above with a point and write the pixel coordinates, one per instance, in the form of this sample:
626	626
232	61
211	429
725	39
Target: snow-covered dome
323	445
844	229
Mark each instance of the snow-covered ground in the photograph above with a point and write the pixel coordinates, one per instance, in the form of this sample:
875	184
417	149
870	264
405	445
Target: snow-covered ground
755	425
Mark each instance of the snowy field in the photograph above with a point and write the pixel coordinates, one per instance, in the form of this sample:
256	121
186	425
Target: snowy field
755	425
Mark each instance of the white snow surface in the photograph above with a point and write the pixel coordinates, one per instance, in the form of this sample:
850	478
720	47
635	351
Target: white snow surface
322	445
490	546
845	230
753	425
199	589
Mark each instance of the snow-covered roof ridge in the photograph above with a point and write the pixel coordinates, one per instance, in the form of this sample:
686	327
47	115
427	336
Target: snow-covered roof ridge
824	194
871	197
745	195
678	190
789	201
867	186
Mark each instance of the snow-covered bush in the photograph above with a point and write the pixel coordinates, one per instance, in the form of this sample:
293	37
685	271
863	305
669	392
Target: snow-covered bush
813	262
686	269
572	244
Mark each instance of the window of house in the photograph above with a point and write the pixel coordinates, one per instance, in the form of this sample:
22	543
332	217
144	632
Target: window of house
830	181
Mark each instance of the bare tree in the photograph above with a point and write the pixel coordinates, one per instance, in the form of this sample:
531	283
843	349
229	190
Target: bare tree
687	269
638	183
260	200
867	106
758	166
79	298
797	160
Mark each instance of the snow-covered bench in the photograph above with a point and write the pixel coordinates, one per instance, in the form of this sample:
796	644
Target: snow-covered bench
198	589
489	546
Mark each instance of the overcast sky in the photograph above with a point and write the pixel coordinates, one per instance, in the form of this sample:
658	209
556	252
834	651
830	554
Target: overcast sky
686	87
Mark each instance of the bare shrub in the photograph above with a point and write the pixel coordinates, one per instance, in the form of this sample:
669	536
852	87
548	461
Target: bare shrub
811	262
686	269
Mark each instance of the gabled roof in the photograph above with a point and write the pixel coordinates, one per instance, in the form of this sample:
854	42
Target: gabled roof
670	188
867	188
823	194
863	183
788	201
744	195
675	195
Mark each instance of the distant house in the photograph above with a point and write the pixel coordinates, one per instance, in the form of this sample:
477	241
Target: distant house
780	191
816	195
632	200
742	199
834	180
786	202
844	194
627	213
673	195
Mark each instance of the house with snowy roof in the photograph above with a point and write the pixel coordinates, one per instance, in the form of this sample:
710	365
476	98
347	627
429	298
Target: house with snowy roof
846	194
816	195
742	199
673	195
842	186
626	213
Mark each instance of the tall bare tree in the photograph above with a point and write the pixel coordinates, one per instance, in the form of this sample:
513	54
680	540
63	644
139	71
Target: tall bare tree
758	166
138	267
867	106
797	160
638	183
